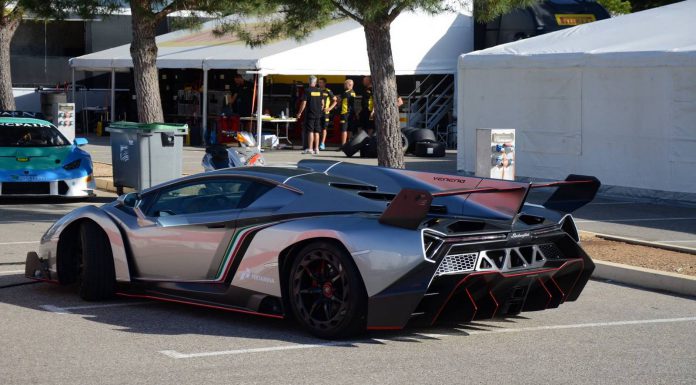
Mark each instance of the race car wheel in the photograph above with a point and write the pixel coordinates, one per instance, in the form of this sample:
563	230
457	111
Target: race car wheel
355	144
97	276
327	296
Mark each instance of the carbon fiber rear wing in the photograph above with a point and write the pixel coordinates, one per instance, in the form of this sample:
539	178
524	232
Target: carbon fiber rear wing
410	206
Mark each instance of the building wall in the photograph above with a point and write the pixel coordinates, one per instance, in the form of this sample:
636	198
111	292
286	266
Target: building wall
631	127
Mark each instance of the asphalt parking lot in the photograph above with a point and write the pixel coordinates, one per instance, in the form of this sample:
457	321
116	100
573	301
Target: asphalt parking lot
611	334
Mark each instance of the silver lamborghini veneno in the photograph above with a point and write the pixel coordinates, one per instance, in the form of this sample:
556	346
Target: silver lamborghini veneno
339	247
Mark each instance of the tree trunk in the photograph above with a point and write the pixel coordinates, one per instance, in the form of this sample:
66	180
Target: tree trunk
144	54
379	52
7	30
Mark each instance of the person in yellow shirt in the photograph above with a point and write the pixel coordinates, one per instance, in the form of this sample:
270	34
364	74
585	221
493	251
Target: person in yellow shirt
329	104
346	103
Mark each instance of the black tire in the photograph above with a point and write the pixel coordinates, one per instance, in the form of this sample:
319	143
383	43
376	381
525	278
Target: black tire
404	142
408	132
97	276
326	294
355	144
369	150
430	149
423	135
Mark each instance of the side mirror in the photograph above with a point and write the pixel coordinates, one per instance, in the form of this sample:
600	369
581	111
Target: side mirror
80	142
128	200
132	200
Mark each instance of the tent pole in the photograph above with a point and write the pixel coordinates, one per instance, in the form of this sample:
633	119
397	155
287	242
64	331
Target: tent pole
204	123
72	98
259	110
113	94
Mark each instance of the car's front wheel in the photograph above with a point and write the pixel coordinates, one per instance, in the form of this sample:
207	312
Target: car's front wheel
97	275
327	295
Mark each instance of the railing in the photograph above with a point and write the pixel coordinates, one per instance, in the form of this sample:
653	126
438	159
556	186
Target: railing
426	109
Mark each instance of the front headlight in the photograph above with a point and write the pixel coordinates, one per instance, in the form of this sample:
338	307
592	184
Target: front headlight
73	165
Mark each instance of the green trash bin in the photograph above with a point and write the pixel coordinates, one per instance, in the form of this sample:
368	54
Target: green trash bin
144	155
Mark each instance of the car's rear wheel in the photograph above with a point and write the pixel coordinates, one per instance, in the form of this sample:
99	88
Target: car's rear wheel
327	295
97	276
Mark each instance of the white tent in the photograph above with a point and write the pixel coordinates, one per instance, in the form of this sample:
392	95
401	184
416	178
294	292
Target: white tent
421	44
614	98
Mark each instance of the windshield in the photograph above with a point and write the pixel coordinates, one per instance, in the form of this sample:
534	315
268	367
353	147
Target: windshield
30	135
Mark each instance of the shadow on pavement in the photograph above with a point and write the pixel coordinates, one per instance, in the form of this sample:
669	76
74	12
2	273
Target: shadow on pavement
161	318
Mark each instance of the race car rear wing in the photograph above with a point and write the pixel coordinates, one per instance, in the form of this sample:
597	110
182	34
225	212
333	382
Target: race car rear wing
410	206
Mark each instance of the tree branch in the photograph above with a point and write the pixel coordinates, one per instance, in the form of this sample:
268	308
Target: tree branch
346	12
396	11
174	6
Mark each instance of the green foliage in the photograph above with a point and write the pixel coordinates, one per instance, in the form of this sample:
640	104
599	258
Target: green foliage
616	7
642	5
487	10
51	9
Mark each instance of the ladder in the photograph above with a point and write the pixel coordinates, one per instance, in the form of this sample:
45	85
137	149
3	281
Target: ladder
428	108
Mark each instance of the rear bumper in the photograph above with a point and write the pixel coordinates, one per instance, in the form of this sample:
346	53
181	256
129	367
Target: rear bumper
485	295
425	296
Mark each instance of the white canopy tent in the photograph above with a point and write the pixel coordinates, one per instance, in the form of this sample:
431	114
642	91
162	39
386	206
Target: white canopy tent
614	98
421	44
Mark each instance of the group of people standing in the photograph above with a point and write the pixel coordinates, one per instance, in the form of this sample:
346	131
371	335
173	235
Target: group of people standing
318	103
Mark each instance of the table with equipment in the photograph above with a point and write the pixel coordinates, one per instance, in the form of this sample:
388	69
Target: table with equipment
277	122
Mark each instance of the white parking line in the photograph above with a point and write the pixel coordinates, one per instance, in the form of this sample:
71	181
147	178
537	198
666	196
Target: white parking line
178	355
612	203
18	243
577	326
66	310
636	220
11	272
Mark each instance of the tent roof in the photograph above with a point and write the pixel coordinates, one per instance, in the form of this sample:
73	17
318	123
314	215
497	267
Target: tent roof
659	36
421	44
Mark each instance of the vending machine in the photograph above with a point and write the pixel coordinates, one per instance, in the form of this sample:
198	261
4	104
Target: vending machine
64	119
495	153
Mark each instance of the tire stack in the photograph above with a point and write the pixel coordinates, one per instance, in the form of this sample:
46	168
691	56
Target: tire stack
422	142
417	141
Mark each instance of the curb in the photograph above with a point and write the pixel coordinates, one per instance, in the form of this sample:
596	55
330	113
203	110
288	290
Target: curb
639	242
107	184
645	278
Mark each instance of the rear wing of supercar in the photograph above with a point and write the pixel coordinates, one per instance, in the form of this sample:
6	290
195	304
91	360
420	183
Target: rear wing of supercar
410	207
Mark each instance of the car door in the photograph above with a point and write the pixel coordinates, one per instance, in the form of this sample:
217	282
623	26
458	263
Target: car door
188	228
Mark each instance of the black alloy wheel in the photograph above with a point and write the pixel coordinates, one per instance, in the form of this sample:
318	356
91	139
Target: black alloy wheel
327	296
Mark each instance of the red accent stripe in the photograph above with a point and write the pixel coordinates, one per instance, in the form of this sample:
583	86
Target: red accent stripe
547	292
199	304
449	297
384	328
559	183
559	289
473	303
237	248
497	305
53	281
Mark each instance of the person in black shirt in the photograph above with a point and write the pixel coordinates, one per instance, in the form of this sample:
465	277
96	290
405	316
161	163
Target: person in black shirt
240	98
367	107
315	105
346	105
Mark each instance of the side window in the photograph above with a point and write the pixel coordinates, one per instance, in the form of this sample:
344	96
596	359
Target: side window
205	196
